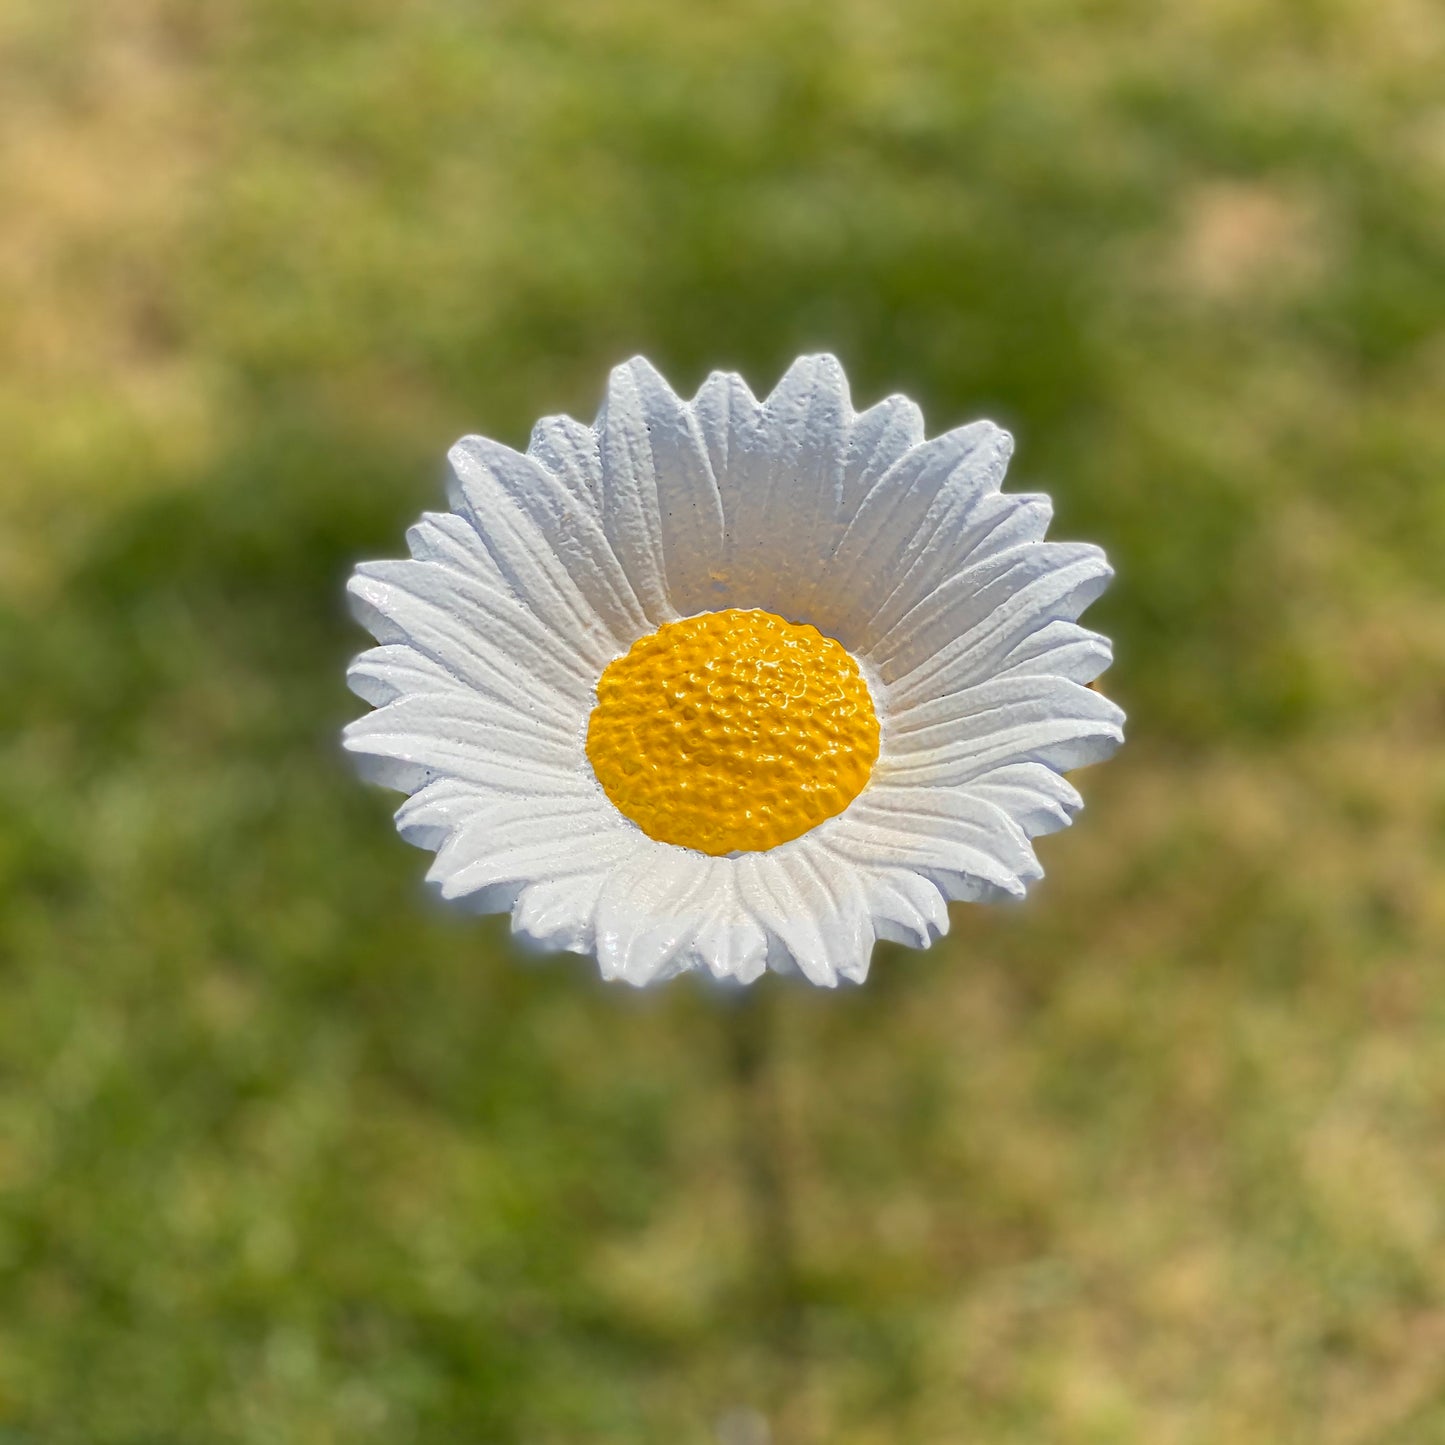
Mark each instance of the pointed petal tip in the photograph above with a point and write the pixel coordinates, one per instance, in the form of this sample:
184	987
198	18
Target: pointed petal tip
904	410
545	428
463	448
819	360
1101	747
811	369
638	371
360	675
728	380
990	438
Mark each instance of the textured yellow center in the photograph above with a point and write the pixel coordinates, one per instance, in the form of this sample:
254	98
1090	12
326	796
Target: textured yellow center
732	731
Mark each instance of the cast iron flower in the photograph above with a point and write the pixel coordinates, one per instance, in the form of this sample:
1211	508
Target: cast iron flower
725	684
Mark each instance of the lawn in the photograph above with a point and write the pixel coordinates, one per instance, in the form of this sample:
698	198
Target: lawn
288	1153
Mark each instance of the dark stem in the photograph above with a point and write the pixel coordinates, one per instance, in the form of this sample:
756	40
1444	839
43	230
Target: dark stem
762	1155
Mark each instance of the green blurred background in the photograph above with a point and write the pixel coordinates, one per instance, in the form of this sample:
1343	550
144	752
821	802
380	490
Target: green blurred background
287	1154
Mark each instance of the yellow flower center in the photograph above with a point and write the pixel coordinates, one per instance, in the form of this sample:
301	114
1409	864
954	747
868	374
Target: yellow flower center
732	731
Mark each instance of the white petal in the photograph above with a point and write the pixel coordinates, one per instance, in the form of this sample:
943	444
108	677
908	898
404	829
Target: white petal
1040	585
569	450
780	475
862	605
998	523
959	736
770	896
966	601
794	525
414	602
968	854
382	674
1060	649
478	661
877	439
436	811
461	716
660	504
551	550
906	906
893	523
977	715
1037	798
1062	744
812	907
451	540
839	890
422	737
957	815
558	913
650	911
730	942
539	856
730	421
1026	520
489	822
500	832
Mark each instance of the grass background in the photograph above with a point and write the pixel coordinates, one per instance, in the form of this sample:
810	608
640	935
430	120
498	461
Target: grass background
289	1155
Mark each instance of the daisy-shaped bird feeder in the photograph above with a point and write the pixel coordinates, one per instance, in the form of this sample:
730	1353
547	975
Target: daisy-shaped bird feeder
729	684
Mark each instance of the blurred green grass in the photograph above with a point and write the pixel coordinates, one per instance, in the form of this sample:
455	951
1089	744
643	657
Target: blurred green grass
288	1154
